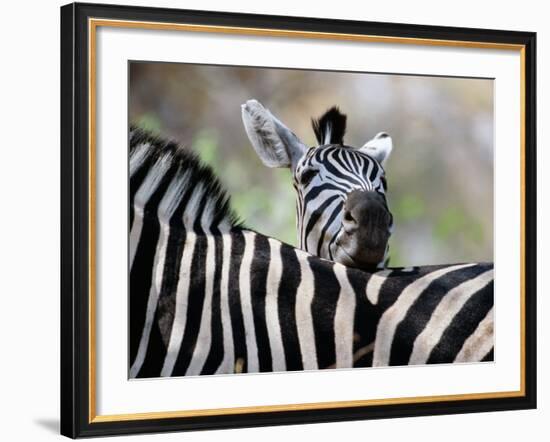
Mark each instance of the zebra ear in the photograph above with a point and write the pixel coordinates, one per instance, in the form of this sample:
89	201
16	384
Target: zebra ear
379	147
274	143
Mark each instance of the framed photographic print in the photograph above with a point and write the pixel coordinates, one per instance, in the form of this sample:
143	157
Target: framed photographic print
276	220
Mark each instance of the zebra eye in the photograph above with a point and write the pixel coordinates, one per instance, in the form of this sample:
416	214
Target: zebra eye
307	175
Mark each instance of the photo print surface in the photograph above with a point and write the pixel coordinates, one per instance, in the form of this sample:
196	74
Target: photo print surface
285	220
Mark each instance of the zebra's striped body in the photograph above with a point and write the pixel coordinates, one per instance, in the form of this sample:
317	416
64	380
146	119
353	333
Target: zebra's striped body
210	296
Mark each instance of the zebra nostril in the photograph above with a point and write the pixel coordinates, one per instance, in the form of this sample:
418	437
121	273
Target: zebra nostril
349	217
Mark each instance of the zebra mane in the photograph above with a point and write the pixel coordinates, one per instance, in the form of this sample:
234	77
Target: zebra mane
191	185
331	127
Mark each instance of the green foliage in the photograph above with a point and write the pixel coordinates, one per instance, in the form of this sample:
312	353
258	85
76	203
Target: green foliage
449	223
408	207
455	222
396	254
267	209
205	144
150	123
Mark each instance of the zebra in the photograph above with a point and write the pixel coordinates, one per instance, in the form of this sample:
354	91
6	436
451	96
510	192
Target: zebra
210	296
341	209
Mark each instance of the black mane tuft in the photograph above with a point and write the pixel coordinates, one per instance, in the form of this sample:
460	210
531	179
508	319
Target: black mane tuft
331	127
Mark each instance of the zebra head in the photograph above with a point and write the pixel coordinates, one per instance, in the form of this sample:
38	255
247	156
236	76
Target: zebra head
342	212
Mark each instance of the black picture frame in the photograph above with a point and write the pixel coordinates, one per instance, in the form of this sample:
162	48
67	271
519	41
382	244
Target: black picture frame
76	418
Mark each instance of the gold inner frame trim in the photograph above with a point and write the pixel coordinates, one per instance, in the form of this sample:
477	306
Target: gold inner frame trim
93	24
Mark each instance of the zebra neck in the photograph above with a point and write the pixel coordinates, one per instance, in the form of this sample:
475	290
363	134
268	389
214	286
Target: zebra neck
171	188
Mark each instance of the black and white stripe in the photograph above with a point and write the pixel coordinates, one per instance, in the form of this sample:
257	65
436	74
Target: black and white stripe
323	179
208	296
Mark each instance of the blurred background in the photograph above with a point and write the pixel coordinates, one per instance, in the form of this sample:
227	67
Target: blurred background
440	174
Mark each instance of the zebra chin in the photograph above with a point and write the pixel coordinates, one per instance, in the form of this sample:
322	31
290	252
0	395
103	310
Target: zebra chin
366	256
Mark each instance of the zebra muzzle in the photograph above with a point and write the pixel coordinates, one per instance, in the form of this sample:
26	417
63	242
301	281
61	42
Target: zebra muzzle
365	230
